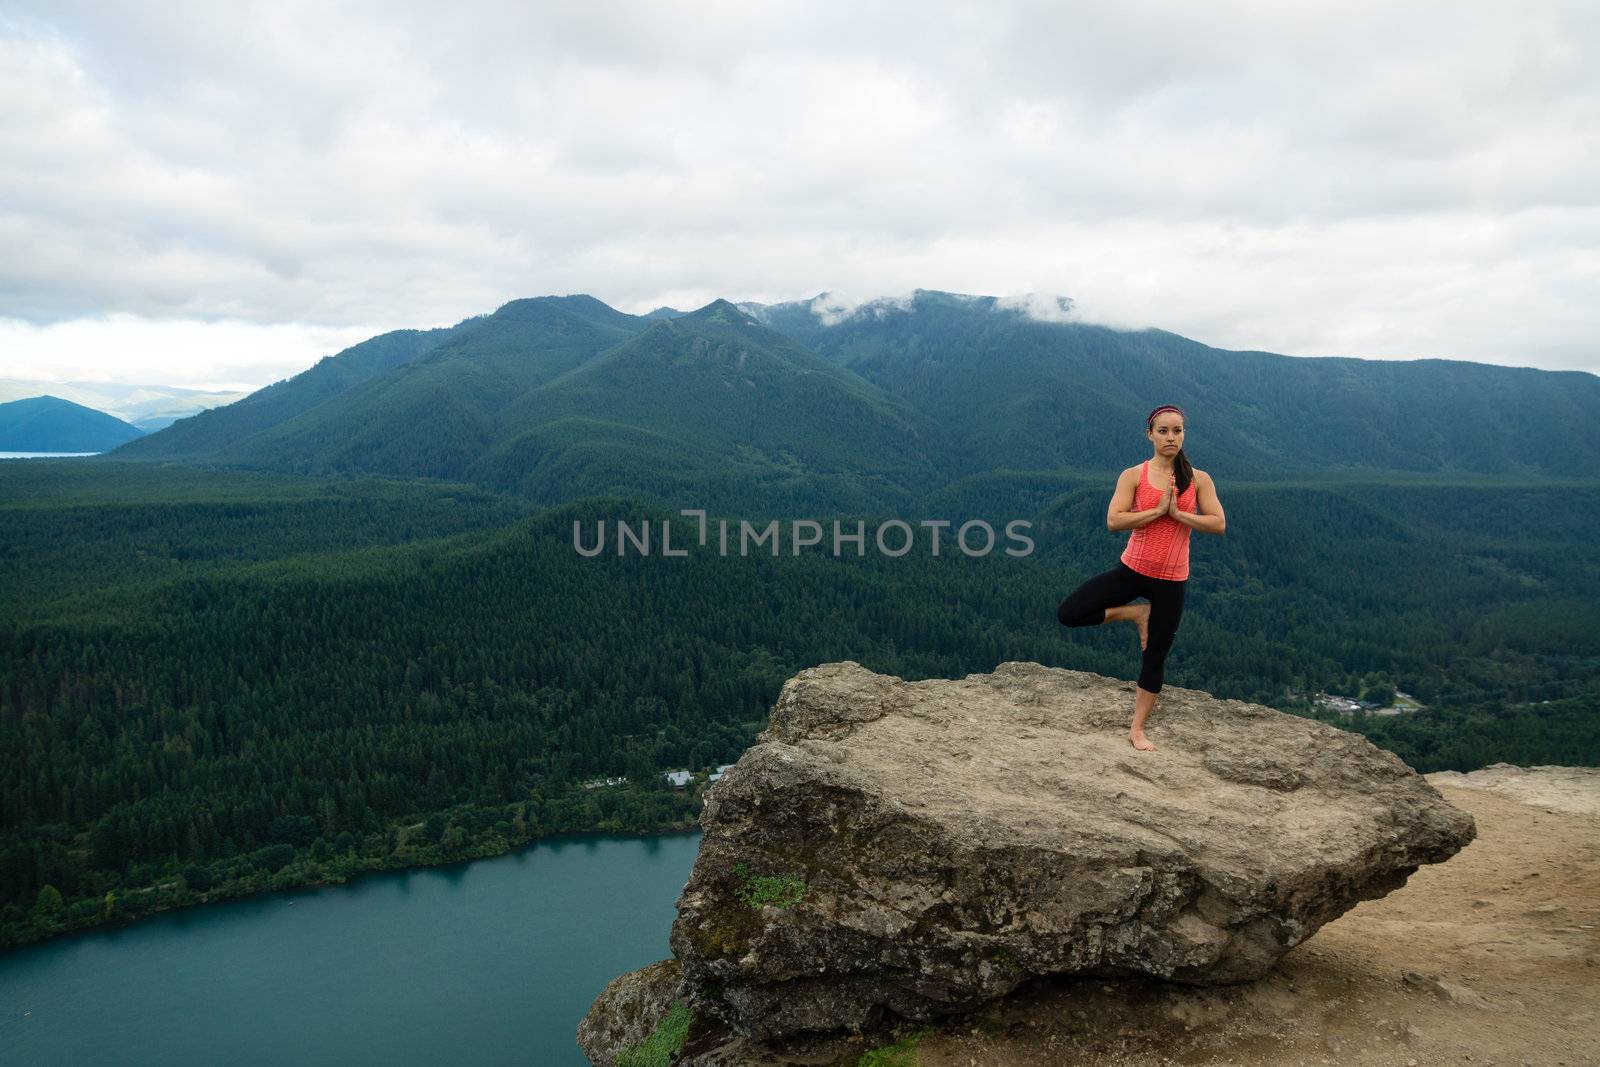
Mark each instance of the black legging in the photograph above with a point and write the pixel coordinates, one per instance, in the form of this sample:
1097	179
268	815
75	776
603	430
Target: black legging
1087	604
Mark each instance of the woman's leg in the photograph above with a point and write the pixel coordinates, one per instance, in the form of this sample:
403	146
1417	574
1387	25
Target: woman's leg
1142	703
1166	609
1098	599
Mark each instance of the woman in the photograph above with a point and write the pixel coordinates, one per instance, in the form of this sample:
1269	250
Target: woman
1160	500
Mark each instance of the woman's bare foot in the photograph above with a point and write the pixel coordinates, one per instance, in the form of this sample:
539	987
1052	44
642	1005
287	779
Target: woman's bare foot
1140	741
1142	621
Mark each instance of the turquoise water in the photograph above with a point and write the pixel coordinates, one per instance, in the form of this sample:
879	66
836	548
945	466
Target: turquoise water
491	962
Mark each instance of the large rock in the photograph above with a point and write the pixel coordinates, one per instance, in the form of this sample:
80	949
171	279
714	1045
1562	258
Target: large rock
955	838
627	1010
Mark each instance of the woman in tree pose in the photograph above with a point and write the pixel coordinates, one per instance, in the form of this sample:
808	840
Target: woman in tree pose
1160	500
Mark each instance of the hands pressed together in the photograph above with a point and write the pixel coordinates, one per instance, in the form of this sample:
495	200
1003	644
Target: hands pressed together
1169	497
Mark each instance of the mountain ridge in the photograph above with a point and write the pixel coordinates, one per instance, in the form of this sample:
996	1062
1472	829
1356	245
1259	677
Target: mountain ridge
932	389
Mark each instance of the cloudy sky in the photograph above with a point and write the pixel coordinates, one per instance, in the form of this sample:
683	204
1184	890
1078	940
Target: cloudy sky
217	195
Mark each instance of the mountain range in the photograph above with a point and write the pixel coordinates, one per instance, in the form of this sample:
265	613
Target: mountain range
775	405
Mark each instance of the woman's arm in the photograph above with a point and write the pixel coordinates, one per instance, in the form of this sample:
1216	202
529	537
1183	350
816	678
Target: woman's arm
1209	517
1118	517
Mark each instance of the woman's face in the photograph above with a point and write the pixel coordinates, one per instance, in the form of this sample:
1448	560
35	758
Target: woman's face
1167	434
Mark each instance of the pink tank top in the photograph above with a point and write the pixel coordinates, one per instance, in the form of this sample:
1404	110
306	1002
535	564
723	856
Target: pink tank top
1160	549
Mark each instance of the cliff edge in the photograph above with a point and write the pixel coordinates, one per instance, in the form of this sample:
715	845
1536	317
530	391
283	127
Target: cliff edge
951	851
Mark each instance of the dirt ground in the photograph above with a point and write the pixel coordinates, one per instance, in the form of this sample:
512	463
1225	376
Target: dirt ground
1490	958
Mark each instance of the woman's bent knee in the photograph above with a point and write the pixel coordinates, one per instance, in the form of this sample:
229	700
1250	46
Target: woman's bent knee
1069	614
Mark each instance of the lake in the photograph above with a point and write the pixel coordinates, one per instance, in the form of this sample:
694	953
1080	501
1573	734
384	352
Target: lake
489	962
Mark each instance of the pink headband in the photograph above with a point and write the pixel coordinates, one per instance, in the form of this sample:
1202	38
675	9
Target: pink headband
1150	419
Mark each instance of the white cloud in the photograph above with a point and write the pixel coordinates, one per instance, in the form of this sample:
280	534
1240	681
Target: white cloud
219	355
1045	307
1353	178
834	308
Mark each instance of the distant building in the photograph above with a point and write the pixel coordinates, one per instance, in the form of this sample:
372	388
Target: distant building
596	783
1338	703
678	778
718	772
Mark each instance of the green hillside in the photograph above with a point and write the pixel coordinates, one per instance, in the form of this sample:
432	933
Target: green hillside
558	398
210	434
1030	395
434	416
712	408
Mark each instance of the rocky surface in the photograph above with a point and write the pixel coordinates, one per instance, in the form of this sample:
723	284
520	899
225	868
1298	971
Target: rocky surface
1570	789
958	837
935	845
1492	958
633	1004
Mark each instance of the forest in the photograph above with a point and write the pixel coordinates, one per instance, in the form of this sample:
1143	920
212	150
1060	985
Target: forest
215	683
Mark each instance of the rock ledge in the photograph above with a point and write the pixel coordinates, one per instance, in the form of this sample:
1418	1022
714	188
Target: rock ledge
949	840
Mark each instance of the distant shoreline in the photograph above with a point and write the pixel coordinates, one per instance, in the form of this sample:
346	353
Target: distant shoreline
484	851
45	455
